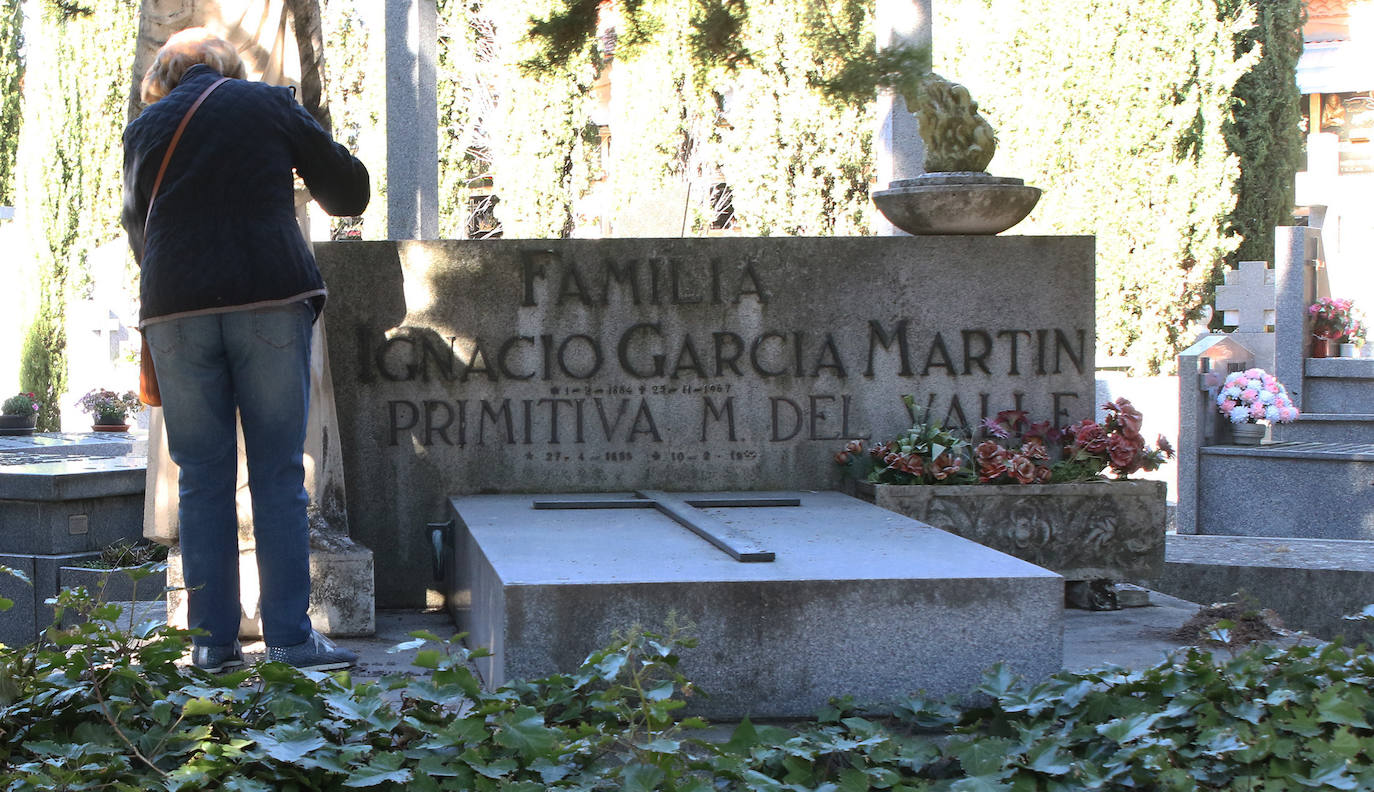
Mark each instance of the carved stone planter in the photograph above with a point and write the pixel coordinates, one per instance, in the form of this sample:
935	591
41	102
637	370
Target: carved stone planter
1095	530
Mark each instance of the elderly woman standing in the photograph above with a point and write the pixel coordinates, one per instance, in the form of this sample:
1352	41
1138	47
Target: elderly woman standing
229	291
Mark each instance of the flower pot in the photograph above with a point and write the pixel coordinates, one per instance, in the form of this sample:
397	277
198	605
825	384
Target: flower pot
1350	351
1089	530
18	424
1247	434
107	427
1321	347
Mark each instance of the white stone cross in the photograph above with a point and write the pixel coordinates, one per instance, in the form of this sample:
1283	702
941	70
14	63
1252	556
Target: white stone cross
1247	298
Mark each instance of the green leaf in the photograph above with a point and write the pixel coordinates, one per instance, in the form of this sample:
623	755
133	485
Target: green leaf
609	668
641	778
1124	730
6	603
742	739
660	692
983	757
997	681
383	768
428	658
524	731
1045	758
495	770
287	743
241	784
979	784
661	745
1329	774
1335	705
201	706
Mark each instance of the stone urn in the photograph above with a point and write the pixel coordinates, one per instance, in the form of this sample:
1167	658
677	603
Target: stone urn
956	203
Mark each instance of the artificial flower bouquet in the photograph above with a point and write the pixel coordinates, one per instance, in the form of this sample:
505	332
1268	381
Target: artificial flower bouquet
109	407
1336	320
1014	450
1255	395
20	404
927	453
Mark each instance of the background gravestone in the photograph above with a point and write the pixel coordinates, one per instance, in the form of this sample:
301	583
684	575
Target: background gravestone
681	365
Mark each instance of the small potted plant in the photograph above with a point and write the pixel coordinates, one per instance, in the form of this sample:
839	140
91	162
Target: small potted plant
1334	322
1352	335
1251	399
109	410
19	414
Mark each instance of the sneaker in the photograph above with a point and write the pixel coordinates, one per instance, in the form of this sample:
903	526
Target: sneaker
217	658
318	653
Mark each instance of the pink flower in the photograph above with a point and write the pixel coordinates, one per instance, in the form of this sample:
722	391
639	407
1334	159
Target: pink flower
1249	395
1122	453
1228	405
1257	410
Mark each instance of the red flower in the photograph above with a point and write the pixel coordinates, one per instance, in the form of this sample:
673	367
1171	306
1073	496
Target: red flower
1128	418
909	464
1035	449
944	466
1022	469
1163	444
854	446
842	458
1090	437
1123	452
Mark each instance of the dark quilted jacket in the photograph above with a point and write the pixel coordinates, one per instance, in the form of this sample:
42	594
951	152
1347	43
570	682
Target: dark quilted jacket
223	233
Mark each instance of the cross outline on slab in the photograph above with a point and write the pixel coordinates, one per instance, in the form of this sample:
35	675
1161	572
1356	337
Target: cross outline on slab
686	511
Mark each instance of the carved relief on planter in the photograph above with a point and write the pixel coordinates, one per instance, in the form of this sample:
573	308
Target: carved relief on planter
1083	531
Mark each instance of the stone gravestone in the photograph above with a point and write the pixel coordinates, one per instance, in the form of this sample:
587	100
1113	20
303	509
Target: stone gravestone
479	370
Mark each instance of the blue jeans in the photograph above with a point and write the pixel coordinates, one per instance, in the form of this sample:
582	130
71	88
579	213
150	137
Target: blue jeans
258	363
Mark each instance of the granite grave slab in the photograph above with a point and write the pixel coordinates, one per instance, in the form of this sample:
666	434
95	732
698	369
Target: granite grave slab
857	600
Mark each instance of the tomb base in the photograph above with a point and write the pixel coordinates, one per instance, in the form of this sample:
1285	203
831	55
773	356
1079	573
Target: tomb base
859	601
341	588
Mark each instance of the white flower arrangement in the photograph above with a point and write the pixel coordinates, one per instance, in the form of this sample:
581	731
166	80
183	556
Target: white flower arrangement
1255	395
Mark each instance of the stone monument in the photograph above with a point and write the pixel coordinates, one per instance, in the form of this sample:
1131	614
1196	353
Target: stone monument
482	384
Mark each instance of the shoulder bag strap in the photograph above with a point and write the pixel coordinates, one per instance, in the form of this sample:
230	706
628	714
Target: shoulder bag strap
176	136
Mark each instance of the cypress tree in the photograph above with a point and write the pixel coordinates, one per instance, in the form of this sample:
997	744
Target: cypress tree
1122	128
11	77
70	162
1265	129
